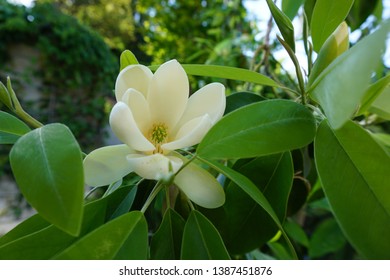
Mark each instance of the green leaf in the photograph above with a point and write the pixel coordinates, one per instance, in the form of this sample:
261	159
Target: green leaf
47	165
360	11
354	172
125	204
296	233
166	242
298	195
127	58
11	128
136	245
226	72
284	24
383	139
378	11
248	225
373	92
308	8
291	7
122	238
259	129
250	188
34	239
279	251
381	105
240	99
258	255
201	240
4	96
327	15
327	238
232	73
28	226
341	86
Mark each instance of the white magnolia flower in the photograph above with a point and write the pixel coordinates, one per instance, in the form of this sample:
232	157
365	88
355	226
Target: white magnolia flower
153	117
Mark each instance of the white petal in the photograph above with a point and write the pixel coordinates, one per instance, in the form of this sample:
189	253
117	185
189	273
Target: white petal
210	100
133	76
106	165
200	186
168	94
139	108
154	167
191	133
125	128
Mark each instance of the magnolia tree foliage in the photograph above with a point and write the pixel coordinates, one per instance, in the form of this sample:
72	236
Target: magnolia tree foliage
300	173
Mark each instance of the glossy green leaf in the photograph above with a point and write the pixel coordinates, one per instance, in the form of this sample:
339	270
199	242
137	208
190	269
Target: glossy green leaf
327	238
240	99
381	105
226	72
340	88
201	240
327	15
36	240
127	58
250	188
291	7
248	225
284	24
354	168
270	127
47	165
166	242
373	92
11	128
122	238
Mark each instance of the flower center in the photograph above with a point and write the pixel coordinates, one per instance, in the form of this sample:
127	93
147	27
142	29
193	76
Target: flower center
158	135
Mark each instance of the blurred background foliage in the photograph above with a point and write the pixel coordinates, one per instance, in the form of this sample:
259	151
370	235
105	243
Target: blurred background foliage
79	43
76	67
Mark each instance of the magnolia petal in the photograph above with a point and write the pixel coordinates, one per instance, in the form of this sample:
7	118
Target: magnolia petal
210	100
125	128
191	133
154	167
139	108
168	94
200	186
106	165
133	76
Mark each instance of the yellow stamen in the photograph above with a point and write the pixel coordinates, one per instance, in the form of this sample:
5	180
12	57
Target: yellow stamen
158	136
